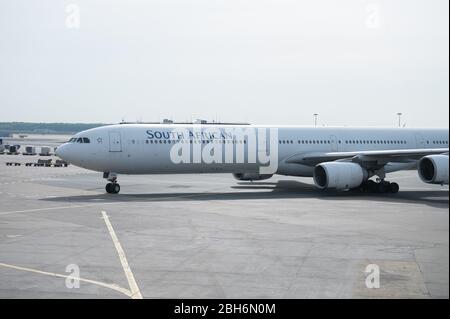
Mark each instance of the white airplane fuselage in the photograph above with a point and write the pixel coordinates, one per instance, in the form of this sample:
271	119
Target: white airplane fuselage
146	148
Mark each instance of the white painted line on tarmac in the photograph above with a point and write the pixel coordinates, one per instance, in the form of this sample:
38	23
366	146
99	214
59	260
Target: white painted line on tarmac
42	209
56	208
156	199
135	292
98	283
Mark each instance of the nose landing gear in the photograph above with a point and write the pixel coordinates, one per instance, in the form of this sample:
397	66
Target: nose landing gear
113	187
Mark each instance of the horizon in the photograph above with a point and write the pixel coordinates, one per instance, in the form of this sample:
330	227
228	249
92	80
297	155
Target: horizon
226	123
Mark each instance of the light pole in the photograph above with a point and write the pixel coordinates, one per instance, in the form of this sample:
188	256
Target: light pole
315	119
399	114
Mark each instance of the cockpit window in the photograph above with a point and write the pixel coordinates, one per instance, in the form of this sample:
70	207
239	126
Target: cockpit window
81	140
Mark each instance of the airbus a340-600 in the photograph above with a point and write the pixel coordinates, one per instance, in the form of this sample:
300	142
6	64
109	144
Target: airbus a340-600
339	158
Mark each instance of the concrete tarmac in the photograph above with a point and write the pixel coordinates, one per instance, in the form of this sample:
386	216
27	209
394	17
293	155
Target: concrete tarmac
210	236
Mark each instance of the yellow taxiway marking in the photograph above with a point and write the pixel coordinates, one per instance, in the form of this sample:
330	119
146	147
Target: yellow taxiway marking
135	292
98	283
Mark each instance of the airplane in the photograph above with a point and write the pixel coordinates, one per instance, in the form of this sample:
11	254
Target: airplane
339	158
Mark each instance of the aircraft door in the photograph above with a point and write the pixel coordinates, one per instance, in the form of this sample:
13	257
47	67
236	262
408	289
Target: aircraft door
334	143
115	142
420	142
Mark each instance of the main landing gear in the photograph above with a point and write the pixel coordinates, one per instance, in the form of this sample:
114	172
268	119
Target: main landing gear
381	187
113	187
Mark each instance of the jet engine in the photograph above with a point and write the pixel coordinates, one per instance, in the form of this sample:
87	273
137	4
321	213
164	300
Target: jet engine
433	169
339	175
251	176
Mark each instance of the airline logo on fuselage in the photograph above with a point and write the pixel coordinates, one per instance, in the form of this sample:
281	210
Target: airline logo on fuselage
212	145
188	134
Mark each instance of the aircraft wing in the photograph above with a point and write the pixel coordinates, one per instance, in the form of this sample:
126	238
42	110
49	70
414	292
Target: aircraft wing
378	158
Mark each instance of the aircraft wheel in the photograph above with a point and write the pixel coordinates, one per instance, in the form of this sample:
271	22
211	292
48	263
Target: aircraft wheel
112	188
108	188
371	186
394	188
383	187
116	188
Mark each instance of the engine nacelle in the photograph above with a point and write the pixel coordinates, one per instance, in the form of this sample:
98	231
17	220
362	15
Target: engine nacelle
339	175
433	169
251	176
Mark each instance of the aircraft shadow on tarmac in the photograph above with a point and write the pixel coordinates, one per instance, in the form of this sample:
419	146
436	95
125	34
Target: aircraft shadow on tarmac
269	190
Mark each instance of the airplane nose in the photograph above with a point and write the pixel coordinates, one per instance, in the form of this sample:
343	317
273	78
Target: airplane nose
61	152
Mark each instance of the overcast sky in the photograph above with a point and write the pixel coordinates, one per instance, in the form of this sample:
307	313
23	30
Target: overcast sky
355	62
